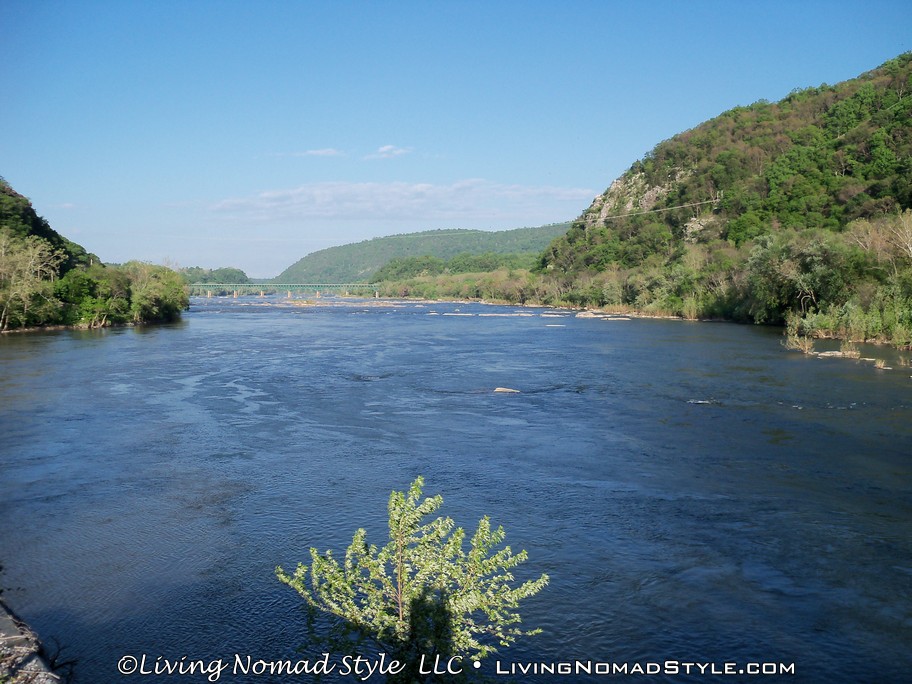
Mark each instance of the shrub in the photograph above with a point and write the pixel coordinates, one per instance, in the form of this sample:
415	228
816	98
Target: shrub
422	594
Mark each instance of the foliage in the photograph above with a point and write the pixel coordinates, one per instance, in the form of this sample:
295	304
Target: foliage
31	294
27	267
157	292
94	297
358	262
789	271
422	593
794	339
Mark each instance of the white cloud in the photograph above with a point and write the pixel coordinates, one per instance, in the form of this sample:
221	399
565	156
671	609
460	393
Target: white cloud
388	152
462	203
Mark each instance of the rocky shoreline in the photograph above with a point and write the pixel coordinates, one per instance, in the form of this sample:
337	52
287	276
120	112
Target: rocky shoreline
22	659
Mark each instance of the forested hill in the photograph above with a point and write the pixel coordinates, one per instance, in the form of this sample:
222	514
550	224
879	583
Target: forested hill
360	261
793	206
819	158
19	218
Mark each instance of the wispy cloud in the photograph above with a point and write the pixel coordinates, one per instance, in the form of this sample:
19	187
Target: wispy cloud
462	202
388	152
323	152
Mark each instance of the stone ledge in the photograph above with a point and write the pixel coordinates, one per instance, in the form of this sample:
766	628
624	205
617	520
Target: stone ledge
21	654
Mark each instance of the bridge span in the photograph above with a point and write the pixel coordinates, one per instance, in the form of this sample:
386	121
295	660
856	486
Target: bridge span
290	289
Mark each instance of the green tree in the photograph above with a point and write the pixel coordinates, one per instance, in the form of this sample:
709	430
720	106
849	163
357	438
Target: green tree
27	268
421	594
158	293
110	300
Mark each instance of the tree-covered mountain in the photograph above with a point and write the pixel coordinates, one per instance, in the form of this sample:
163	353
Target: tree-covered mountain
819	158
799	207
360	261
46	279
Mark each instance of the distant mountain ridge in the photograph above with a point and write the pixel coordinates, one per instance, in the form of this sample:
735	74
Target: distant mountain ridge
359	261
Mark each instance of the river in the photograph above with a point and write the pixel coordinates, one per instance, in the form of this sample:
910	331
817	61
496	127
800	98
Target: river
697	493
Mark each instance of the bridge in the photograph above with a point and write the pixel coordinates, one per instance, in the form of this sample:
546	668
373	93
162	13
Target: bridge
290	289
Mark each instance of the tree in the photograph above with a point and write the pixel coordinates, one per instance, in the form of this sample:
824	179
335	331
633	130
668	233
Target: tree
27	268
421	594
901	233
158	293
107	299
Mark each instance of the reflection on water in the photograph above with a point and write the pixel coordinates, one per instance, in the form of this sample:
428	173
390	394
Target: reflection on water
695	492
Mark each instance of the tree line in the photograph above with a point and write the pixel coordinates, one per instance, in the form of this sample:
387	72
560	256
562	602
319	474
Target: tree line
34	293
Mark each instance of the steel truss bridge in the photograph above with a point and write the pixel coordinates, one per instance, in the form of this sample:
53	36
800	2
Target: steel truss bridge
289	289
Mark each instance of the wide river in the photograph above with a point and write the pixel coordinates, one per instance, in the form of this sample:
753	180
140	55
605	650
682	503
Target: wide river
697	493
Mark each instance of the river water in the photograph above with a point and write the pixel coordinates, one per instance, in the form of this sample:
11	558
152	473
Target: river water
695	492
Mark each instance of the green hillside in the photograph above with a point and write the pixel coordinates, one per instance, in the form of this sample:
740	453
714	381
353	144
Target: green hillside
796	209
819	158
360	261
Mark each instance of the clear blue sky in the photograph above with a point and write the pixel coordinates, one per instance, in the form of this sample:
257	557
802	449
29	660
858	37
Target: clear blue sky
248	134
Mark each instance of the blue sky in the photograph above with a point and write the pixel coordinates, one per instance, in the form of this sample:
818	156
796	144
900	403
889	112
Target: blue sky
248	134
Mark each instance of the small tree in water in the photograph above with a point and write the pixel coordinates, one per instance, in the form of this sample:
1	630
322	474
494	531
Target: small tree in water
421	594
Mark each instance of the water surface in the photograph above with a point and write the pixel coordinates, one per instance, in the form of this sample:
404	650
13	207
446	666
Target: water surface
695	492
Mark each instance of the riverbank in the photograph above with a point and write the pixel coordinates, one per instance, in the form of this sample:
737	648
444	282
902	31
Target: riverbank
85	327
22	658
885	320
